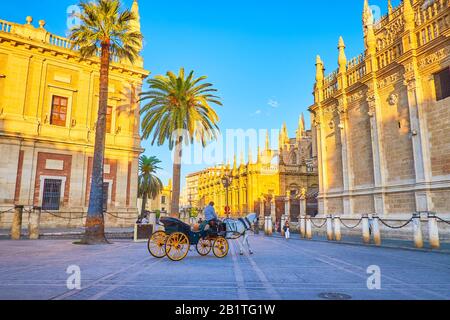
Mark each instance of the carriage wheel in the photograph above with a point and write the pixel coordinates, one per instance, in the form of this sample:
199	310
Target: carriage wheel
204	247
177	246
157	244
221	247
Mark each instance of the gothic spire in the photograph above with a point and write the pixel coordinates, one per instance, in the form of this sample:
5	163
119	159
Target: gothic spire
342	61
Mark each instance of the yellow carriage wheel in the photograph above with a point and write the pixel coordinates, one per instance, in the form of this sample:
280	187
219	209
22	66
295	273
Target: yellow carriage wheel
177	246
221	247
157	244
204	247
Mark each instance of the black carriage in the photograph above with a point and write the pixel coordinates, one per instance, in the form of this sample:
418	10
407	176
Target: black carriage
177	238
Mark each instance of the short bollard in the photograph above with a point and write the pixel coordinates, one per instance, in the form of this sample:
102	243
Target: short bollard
283	222
330	228
33	225
16	228
268	226
337	229
302	227
365	229
376	230
418	237
433	231
308	228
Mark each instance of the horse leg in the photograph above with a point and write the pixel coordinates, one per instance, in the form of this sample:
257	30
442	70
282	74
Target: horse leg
241	246
248	244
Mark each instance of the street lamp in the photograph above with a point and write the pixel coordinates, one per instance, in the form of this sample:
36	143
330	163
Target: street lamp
227	179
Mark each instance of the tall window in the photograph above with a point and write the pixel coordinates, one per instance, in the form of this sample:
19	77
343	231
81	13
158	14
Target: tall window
105	196
52	194
59	111
109	111
442	84
163	200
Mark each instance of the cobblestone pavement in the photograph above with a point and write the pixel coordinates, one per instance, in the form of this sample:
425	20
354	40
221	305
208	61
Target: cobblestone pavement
279	269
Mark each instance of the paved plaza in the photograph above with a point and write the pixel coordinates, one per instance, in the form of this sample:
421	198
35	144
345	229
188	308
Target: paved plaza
294	270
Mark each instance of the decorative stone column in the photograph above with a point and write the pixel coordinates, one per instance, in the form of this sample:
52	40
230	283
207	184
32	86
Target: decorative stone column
302	221
33	226
418	236
308	228
365	229
303	206
268	228
337	228
330	228
273	213
287	205
433	231
376	230
16	228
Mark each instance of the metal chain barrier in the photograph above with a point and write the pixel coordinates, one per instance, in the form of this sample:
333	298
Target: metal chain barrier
6	211
123	218
396	227
348	227
319	227
61	217
442	220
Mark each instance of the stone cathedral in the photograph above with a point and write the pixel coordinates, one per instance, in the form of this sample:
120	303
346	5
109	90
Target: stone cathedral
382	119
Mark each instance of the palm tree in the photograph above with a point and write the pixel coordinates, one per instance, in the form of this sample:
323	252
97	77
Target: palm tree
178	111
106	32
149	184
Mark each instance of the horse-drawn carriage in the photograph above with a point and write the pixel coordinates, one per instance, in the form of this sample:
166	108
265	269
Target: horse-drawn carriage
176	239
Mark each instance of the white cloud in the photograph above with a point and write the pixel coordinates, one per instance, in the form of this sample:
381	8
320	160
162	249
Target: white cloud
273	103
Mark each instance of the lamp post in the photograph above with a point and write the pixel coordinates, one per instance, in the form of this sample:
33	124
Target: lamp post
227	179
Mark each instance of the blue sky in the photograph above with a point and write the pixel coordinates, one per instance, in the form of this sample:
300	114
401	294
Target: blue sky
259	54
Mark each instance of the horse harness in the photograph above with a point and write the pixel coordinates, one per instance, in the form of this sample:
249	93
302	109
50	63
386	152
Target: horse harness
246	222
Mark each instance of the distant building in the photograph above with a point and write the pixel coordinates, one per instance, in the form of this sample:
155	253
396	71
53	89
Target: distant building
273	177
382	120
48	112
162	202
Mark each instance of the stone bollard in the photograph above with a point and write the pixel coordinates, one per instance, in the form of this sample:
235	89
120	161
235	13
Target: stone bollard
16	228
365	229
418	237
308	228
433	231
337	229
268	228
283	222
330	228
376	230
302	227
34	222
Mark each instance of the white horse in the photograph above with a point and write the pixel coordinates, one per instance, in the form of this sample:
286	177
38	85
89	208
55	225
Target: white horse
237	229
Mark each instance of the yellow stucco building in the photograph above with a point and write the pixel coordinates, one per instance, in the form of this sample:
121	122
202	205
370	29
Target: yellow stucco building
275	176
48	110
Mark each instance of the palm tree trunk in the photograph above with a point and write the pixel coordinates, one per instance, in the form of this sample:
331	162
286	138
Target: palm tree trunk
175	206
95	223
144	204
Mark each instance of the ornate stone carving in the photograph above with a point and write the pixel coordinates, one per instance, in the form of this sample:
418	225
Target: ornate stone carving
388	80
372	105
434	57
393	99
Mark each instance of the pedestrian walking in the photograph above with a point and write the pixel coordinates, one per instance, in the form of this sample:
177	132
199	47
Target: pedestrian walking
287	231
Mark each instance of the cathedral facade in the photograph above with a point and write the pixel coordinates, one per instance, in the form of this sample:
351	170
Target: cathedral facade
273	175
382	119
48	111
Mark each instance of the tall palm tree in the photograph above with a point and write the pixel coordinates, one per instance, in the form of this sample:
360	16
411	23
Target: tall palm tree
149	184
178	111
105	31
